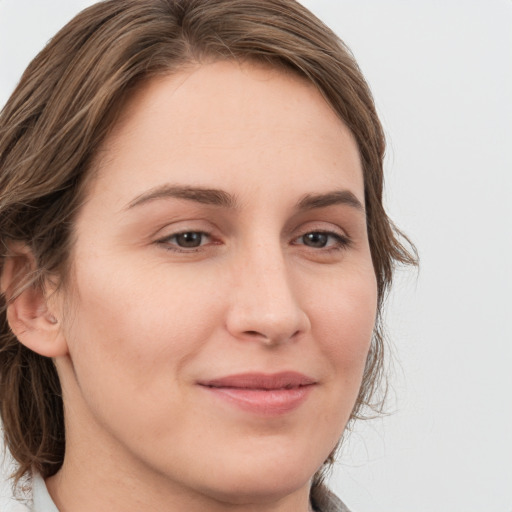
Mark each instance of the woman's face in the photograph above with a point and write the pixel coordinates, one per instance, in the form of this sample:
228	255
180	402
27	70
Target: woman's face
223	295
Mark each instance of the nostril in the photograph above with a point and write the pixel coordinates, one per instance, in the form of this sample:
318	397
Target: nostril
253	333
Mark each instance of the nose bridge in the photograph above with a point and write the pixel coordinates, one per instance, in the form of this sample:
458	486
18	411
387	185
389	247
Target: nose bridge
265	305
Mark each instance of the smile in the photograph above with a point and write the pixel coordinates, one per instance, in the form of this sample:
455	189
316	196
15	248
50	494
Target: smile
263	394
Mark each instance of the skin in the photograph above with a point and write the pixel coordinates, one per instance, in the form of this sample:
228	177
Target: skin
143	319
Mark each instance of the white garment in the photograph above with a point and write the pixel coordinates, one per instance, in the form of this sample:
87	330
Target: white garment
40	500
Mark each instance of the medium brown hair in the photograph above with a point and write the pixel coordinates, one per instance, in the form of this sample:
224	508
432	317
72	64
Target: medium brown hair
67	102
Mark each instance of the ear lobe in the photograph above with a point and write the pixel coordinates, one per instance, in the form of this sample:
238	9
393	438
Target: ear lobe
28	314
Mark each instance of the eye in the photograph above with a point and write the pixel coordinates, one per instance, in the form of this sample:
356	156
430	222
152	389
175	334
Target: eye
323	239
186	239
316	239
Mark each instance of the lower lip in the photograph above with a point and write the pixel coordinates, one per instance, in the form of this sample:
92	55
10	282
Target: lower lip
267	402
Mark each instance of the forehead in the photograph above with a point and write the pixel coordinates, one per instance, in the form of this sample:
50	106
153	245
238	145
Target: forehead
230	123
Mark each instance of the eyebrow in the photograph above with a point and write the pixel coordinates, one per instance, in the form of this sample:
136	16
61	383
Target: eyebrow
346	197
201	195
223	199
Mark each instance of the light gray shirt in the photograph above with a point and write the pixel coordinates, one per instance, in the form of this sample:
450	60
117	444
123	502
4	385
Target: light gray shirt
41	500
37	499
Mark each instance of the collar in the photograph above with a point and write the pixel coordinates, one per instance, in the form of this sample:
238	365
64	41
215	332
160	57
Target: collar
42	501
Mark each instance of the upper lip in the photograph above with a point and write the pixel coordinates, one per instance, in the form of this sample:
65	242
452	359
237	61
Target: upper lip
265	381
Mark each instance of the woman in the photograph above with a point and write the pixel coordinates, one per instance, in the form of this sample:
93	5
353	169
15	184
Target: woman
195	258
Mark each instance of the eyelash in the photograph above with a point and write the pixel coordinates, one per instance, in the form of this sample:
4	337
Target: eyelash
166	241
340	241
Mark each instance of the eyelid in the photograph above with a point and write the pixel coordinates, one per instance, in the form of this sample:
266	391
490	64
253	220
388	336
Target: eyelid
339	239
165	236
167	240
320	226
342	240
169	227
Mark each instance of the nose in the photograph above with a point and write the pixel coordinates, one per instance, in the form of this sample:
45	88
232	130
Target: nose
264	306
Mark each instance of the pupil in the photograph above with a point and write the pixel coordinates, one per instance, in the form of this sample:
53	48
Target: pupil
315	239
189	239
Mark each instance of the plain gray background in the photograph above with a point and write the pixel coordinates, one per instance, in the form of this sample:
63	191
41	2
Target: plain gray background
441	73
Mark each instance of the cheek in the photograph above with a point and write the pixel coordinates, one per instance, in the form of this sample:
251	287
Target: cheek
342	315
134	331
345	315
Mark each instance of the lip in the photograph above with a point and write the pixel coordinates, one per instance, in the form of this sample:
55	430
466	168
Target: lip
261	393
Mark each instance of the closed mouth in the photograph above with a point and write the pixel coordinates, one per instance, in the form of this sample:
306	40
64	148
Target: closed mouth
262	394
261	381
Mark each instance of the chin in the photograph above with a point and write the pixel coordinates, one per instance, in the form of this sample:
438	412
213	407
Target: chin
262	481
252	489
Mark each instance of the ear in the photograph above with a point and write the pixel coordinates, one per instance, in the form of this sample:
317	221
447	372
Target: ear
28	313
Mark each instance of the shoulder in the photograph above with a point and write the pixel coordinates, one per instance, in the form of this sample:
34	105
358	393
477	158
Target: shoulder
14	500
30	495
13	505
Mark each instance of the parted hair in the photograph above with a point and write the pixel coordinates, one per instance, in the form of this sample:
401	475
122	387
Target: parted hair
66	103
